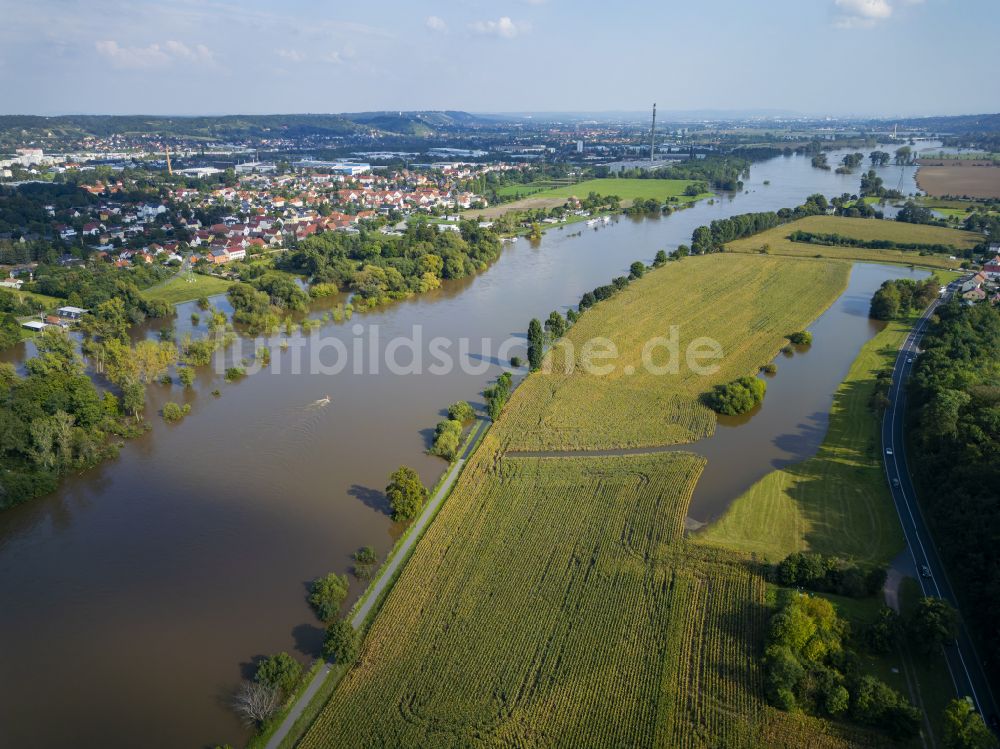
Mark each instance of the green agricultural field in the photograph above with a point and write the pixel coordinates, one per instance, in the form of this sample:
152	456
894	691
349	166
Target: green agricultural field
187	287
525	189
748	304
557	601
836	502
554	602
778	243
626	189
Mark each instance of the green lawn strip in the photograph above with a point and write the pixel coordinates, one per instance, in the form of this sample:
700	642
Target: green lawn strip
186	288
836	502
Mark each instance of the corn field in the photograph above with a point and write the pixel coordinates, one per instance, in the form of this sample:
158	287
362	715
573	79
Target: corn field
748	304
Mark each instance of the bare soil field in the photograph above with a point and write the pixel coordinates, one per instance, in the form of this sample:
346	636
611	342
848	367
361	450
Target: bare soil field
978	179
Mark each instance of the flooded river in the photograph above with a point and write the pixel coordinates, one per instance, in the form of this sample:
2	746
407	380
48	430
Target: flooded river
137	596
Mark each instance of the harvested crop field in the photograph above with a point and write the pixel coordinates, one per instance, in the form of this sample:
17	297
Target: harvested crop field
960	177
748	304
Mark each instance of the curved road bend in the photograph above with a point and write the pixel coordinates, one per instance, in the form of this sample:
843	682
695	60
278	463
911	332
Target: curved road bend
964	664
383	582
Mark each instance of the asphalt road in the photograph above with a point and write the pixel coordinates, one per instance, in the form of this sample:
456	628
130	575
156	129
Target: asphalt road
965	665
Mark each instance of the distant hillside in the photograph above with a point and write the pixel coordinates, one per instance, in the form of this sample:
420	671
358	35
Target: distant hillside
416	123
19	130
961	125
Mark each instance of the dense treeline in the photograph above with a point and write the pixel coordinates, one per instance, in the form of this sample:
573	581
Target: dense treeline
90	286
827	574
955	421
901	297
379	268
838	240
52	420
22	209
808	665
713	237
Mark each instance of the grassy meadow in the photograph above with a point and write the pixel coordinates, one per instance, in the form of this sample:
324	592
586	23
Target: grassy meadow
187	287
626	189
862	229
748	304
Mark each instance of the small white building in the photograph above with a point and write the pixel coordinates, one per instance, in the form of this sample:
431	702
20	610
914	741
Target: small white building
70	313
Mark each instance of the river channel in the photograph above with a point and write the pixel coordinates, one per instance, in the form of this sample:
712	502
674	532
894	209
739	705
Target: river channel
137	596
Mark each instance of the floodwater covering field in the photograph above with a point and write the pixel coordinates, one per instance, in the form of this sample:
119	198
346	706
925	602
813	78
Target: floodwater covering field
138	595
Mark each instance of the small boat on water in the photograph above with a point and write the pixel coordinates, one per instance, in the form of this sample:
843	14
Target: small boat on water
592	222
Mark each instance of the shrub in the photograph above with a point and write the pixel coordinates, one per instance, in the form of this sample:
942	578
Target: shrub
447	439
341	643
186	376
516	362
406	493
280	671
461	411
174	412
326	594
235	373
770	369
365	555
737	397
800	338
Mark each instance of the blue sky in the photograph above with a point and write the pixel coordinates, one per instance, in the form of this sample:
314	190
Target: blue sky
887	57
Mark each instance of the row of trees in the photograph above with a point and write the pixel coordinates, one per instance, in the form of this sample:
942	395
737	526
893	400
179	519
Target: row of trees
839	240
829	574
713	237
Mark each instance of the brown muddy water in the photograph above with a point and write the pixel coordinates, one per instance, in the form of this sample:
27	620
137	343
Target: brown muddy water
137	596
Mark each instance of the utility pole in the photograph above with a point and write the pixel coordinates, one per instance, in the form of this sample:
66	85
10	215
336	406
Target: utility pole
652	136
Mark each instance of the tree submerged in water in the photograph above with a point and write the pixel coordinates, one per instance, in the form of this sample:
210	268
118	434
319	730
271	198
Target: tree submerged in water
737	397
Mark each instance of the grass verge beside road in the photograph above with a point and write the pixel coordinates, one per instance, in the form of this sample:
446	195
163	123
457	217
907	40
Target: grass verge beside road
836	502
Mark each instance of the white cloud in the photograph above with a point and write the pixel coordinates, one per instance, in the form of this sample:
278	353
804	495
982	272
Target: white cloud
861	14
292	55
502	27
436	24
153	56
